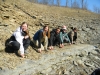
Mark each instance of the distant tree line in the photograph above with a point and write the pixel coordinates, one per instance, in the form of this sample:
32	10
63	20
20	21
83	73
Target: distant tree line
80	4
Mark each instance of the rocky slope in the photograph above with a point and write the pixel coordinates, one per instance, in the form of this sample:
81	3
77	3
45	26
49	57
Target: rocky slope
14	12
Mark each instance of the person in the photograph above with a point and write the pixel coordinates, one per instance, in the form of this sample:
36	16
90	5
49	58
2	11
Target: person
55	38
73	35
40	38
64	36
96	72
20	39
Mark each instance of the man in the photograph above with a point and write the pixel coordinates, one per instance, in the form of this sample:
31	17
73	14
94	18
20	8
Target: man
55	38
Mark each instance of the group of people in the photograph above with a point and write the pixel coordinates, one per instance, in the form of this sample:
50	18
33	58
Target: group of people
43	39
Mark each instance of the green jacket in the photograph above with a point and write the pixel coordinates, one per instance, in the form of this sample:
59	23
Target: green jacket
64	35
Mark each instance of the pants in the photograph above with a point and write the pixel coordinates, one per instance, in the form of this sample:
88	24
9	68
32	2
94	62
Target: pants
44	43
54	40
16	45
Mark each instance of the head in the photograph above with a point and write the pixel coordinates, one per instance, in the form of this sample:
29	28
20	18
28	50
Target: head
75	29
24	26
45	28
58	30
64	28
46	31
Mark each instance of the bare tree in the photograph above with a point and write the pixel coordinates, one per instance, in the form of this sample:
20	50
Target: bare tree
58	2
45	2
85	5
51	2
82	3
75	4
67	1
71	3
96	9
36	1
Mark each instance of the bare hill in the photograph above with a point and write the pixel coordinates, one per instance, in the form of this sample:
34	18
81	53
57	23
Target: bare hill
14	12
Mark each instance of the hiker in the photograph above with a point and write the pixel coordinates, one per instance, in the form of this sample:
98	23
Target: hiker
40	38
73	35
55	38
63	35
20	39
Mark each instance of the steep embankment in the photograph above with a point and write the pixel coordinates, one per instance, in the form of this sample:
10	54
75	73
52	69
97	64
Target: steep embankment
14	12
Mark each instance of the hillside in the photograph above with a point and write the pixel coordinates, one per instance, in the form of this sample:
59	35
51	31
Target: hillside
14	12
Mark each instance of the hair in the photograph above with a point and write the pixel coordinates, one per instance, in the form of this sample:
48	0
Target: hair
24	23
58	28
46	34
73	28
27	31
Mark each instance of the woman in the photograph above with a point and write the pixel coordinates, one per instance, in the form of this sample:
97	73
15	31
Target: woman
63	35
73	35
41	37
20	39
55	38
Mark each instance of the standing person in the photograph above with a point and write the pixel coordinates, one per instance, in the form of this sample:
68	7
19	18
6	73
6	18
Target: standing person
63	35
73	35
55	38
41	37
20	39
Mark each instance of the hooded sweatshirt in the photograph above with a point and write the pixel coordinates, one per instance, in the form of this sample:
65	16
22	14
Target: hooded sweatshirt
19	38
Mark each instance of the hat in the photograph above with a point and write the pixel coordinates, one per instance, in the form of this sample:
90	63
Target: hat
64	27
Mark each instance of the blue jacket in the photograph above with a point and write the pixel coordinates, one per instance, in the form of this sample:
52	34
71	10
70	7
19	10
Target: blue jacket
37	34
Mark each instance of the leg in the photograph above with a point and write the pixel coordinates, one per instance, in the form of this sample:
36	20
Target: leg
15	45
45	43
26	43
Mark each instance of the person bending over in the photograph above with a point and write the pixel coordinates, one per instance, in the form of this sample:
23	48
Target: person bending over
73	35
20	39
55	38
40	38
64	36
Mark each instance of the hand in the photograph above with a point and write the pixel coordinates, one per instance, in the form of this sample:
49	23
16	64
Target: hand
69	43
39	50
26	36
51	47
22	55
61	45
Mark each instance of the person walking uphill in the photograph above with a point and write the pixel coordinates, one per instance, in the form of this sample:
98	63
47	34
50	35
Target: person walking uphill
40	38
20	39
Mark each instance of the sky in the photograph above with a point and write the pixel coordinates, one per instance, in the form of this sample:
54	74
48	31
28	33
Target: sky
91	3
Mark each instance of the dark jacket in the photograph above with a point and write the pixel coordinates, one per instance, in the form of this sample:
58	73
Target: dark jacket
54	38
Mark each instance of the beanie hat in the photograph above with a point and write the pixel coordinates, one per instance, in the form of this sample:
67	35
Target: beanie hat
64	27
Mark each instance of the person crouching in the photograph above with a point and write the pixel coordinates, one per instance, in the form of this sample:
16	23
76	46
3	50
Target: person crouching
40	38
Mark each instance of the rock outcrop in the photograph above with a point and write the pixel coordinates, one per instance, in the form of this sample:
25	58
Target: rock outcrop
78	59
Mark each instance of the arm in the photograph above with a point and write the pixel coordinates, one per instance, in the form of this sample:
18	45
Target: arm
61	37
72	34
40	37
67	37
51	38
19	38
